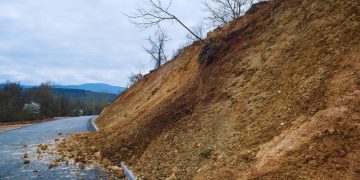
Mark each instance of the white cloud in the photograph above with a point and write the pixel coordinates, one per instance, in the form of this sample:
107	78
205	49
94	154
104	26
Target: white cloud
78	41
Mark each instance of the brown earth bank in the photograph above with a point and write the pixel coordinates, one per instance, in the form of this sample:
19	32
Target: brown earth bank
274	95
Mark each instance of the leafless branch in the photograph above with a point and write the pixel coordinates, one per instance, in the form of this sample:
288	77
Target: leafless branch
136	77
199	30
155	14
157	48
223	11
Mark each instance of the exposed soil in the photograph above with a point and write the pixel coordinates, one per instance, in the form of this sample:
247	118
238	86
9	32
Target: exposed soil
275	95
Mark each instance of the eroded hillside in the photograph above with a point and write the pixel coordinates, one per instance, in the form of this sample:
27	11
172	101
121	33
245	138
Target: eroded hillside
275	94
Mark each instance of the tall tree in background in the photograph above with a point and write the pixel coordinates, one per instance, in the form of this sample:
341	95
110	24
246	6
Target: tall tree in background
155	14
157	48
222	12
44	96
11	102
61	106
18	104
90	105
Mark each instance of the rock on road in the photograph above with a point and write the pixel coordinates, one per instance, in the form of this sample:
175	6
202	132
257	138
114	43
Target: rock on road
11	153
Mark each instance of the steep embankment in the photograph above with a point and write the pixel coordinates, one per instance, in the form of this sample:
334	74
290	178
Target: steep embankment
275	94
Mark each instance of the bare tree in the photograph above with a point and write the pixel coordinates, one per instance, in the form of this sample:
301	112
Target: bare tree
223	11
199	30
141	69
136	77
156	13
157	48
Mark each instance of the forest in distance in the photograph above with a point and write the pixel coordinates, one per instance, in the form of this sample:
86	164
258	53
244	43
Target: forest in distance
20	103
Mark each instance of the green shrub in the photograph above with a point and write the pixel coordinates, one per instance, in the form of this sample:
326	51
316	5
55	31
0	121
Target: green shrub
206	153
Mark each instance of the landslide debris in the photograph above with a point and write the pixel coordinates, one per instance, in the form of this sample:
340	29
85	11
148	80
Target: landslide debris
275	95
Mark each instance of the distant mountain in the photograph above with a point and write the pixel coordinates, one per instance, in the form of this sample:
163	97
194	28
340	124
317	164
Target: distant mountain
94	87
2	85
79	94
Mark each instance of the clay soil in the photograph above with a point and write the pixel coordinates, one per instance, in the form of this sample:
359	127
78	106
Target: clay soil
274	95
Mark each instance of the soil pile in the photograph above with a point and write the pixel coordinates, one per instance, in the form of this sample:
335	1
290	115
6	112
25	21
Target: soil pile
274	95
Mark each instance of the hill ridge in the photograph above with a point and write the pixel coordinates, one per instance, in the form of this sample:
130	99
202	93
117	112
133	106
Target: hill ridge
94	87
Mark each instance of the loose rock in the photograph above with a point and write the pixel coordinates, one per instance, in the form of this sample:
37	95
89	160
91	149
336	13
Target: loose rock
26	161
117	171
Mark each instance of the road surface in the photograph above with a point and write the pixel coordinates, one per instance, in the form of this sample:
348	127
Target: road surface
11	151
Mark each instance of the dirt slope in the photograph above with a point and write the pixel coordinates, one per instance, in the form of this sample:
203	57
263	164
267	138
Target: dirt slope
275	95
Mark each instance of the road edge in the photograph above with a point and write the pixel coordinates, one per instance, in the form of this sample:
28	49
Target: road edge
25	126
93	123
33	124
128	173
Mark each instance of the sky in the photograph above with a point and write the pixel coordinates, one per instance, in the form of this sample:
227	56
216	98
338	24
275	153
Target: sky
80	41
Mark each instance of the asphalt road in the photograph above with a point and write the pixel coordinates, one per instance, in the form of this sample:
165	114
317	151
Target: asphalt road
11	151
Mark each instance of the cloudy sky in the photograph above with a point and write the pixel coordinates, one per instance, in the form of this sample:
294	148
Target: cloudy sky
79	41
